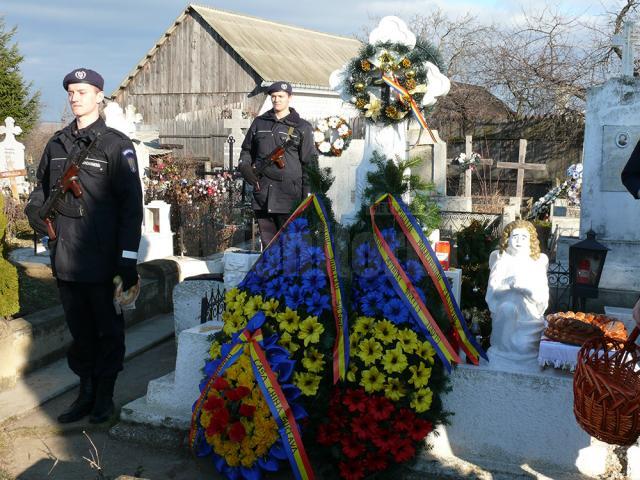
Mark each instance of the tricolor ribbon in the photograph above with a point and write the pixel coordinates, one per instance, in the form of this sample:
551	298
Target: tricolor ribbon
341	344
404	95
272	394
408	294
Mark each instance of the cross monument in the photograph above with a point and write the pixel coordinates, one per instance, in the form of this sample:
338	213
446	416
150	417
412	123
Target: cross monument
236	124
12	166
521	166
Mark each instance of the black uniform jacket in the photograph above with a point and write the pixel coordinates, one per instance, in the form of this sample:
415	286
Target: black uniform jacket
281	190
631	172
88	248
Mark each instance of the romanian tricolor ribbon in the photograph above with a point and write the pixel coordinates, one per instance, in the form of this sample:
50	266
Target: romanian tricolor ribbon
404	95
408	294
341	345
273	396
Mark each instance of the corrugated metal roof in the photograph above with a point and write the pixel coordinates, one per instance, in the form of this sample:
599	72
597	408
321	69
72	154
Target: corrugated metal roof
281	52
274	50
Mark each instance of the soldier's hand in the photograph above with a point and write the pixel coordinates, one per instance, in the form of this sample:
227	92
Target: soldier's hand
128	273
256	186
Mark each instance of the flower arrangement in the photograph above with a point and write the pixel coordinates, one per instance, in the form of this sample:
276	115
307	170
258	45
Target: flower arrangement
570	188
332	136
467	162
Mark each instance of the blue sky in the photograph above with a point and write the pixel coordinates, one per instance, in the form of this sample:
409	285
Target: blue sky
111	37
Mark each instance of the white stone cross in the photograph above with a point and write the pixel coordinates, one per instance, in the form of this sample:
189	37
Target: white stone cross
10	130
236	123
627	40
521	166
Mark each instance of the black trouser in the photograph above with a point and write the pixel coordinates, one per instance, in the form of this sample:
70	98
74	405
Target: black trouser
269	224
97	349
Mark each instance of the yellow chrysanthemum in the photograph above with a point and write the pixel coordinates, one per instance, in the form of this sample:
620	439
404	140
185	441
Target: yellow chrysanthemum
369	350
310	330
230	295
420	375
394	361
270	307
233	323
252	305
351	374
372	380
307	382
288	320
394	389
425	351
385	331
313	360
286	340
408	339
363	325
421	400
205	418
354	339
215	349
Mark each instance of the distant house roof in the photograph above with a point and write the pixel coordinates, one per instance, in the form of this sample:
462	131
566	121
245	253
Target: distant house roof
275	51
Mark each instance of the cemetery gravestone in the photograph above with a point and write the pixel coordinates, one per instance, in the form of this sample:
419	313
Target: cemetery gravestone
12	166
236	124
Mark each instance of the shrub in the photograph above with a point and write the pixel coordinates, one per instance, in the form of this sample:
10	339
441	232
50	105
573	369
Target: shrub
9	303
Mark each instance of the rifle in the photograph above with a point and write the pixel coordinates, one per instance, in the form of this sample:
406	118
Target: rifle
252	173
67	181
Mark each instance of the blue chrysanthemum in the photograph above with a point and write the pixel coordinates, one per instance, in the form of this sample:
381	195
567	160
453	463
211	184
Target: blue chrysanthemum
274	287
415	270
317	303
313	256
395	311
369	304
299	225
293	297
314	279
389	234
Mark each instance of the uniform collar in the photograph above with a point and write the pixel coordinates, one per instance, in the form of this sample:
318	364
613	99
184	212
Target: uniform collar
292	119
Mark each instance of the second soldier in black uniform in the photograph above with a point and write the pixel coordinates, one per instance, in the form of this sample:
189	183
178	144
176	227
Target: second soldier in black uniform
97	238
277	191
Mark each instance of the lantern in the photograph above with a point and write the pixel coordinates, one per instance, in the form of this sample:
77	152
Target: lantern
586	260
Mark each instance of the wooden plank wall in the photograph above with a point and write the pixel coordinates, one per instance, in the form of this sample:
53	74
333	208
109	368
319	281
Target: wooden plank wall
192	70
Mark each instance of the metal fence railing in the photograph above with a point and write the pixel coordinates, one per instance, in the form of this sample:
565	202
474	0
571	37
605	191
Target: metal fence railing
453	222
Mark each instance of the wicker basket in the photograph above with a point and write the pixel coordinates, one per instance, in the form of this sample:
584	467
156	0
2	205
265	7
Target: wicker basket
606	389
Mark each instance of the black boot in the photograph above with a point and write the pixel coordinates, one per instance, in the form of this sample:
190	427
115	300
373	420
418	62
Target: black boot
103	407
83	404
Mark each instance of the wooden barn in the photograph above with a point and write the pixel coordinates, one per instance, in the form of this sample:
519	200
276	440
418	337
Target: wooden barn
211	60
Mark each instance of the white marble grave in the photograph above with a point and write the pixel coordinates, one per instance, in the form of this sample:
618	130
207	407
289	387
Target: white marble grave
612	130
12	160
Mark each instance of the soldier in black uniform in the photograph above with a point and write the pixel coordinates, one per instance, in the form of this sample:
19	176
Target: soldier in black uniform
97	238
277	191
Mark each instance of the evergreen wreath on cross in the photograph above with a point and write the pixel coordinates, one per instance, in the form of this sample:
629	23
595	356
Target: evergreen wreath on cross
390	81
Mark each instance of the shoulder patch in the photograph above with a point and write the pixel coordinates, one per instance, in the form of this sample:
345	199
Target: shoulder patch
129	155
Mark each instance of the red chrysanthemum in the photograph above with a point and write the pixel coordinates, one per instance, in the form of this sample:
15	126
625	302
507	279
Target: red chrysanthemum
238	393
351	448
403	450
419	429
380	408
237	432
326	435
385	439
355	400
220	384
362	426
351	470
404	419
246	410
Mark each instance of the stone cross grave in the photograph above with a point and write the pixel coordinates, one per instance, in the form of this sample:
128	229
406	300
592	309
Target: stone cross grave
628	40
12	167
468	151
236	123
521	166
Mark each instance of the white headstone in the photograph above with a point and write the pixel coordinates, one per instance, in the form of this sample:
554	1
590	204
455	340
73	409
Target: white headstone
12	159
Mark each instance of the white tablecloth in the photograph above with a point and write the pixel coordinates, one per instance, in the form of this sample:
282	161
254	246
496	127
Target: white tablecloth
557	354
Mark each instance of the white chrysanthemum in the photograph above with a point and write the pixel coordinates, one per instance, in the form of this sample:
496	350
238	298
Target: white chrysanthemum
343	130
318	136
324	147
322	126
333	122
338	144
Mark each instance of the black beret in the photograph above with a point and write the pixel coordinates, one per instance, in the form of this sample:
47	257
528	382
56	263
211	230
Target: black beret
83	75
280	87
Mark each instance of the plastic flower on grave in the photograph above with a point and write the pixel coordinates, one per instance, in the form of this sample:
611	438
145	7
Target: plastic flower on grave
372	380
289	320
369	350
408	339
394	361
363	325
420	375
310	330
313	360
421	400
385	331
308	383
